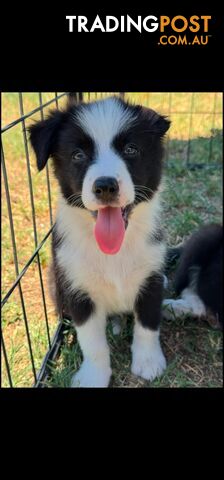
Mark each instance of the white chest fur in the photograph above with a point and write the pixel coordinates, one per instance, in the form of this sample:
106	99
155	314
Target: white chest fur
112	281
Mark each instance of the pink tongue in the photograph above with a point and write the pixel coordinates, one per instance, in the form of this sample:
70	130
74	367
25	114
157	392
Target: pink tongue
109	229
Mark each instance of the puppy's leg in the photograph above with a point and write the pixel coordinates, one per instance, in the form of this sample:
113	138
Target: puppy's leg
189	304
175	308
95	370
148	360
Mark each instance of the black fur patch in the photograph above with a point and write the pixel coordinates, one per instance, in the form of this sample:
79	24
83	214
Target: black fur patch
204	250
197	252
59	136
210	284
44	136
58	277
80	307
76	306
148	305
146	133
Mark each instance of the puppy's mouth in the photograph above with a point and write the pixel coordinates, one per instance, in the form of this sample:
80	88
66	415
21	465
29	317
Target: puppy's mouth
125	212
110	226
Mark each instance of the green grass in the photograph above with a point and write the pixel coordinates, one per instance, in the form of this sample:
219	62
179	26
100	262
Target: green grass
193	352
190	199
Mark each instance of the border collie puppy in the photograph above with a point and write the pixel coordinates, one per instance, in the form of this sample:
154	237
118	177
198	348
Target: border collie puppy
198	279
108	251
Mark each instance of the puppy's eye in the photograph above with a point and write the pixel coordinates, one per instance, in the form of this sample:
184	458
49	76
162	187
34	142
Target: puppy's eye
78	155
131	150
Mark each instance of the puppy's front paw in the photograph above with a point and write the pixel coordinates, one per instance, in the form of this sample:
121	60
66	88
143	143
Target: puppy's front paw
147	363
91	375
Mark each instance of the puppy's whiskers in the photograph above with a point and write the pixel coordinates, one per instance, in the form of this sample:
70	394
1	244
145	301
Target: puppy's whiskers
75	200
144	187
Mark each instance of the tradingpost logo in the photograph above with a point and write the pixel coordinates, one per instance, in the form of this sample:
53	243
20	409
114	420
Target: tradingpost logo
176	30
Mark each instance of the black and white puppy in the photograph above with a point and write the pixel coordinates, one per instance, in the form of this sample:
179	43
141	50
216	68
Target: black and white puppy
108	252
199	277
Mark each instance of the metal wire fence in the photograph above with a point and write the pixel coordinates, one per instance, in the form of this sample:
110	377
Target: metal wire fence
31	338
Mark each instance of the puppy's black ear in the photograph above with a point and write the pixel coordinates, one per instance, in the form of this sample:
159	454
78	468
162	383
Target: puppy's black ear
44	135
159	124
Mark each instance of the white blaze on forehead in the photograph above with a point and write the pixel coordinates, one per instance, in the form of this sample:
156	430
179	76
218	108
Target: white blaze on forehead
103	120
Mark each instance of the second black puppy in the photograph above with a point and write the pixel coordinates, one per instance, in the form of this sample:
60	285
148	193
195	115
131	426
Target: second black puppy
199	277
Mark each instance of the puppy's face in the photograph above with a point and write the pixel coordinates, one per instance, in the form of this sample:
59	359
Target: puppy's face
106	153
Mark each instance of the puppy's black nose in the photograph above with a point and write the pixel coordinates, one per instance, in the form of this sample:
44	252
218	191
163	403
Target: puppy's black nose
106	188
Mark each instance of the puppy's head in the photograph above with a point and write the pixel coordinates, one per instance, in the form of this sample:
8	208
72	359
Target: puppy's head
107	155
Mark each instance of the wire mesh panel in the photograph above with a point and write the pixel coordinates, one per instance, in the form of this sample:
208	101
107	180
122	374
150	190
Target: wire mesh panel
28	317
31	334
